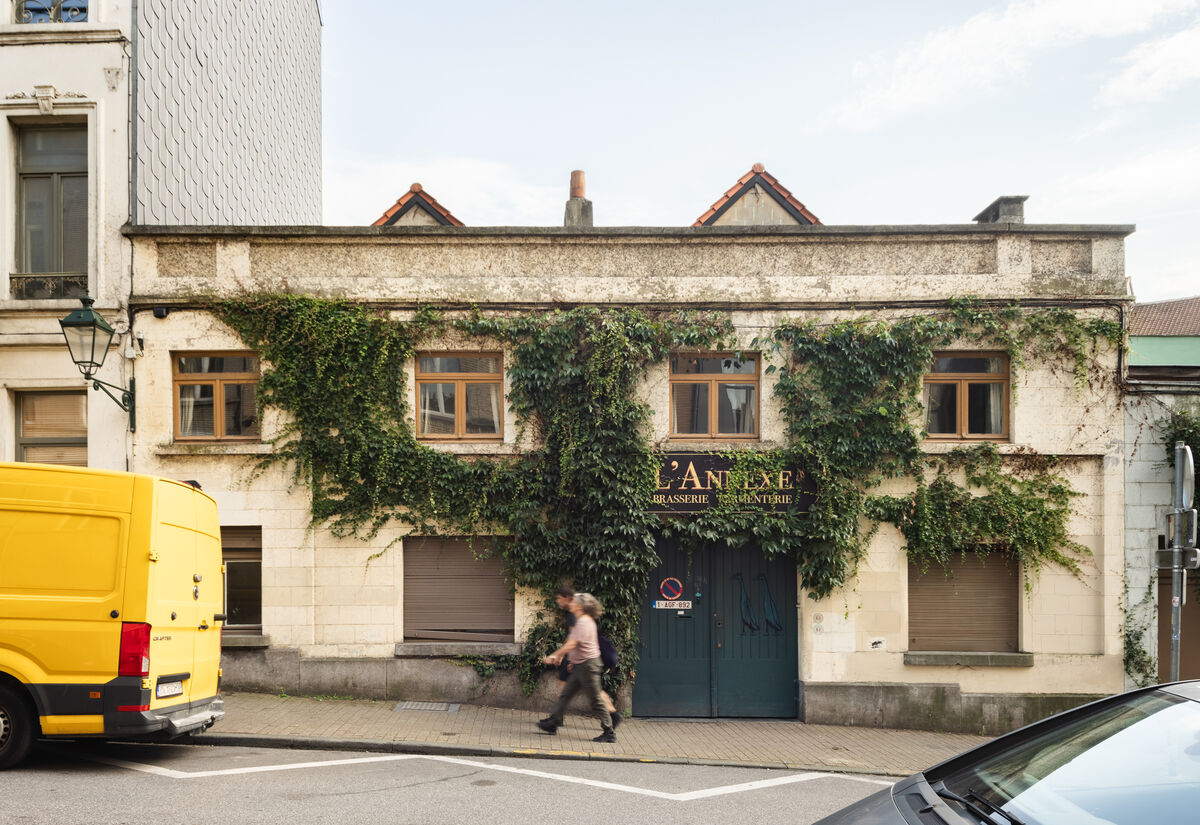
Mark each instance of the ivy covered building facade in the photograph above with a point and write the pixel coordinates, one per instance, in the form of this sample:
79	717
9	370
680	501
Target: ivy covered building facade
846	474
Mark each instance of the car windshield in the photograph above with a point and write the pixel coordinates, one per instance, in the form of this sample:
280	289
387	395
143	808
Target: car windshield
1133	763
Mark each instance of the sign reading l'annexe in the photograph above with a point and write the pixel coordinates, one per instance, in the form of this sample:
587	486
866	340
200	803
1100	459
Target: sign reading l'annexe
694	482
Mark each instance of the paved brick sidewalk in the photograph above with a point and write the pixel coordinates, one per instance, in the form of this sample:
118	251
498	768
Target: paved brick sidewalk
291	721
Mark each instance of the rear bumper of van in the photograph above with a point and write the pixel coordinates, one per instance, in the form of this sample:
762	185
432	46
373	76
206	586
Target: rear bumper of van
169	722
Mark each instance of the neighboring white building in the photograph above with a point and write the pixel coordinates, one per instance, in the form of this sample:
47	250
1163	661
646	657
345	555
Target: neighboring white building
1163	377
228	124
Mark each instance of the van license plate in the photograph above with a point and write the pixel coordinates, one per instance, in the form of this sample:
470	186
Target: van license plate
165	689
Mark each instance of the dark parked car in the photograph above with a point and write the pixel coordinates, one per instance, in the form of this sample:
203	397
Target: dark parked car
1132	759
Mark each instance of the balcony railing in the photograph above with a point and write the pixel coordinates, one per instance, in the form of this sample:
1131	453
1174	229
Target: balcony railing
44	287
51	11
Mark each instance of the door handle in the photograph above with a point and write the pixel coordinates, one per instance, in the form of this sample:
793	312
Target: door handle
218	617
203	626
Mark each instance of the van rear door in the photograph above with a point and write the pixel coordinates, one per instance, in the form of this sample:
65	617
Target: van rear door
184	586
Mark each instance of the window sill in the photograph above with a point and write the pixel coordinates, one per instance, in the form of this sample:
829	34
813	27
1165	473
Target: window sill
444	650
244	640
942	658
21	34
214	448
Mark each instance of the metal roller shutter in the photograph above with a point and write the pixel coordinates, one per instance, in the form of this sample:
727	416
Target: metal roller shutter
971	606
450	594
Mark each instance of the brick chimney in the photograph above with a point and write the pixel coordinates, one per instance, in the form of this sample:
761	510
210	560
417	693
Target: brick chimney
579	208
1004	209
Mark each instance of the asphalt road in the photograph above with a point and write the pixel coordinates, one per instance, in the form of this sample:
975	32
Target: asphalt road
114	784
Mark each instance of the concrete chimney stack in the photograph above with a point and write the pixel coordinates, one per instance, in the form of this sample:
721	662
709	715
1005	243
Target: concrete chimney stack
1004	209
579	208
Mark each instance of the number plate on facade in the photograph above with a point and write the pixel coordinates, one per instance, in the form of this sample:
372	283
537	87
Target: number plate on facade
165	689
672	605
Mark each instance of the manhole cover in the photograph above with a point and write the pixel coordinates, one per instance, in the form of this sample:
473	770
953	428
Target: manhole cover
443	707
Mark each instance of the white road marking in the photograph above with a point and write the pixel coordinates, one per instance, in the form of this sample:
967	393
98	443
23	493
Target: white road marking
687	796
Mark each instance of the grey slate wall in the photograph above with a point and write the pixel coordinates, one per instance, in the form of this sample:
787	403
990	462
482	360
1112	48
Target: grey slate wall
228	112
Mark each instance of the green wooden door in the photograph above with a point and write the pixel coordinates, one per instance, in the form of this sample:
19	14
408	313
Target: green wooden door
733	653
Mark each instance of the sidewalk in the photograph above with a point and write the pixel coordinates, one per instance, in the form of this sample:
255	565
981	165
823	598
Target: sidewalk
429	727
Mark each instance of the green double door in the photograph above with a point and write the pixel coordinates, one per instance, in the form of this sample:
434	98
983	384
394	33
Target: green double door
733	651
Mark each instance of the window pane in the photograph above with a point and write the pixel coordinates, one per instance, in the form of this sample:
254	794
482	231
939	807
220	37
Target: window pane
243	592
53	415
483	409
44	11
196	410
437	409
969	363
71	455
74	223
54	150
712	365
941	408
241	415
985	409
37	230
736	407
689	402
487	364
218	363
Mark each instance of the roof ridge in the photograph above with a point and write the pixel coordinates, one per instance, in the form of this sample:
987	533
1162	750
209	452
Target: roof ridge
759	172
416	192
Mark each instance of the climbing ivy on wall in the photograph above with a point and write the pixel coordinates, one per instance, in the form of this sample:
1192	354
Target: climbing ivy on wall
574	507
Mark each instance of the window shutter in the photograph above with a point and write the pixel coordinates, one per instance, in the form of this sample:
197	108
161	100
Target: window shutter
969	606
450	594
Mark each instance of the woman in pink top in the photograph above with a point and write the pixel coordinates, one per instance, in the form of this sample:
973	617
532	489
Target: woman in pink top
582	649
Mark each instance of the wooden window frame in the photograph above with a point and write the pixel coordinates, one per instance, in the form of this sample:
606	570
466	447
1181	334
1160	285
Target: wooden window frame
713	380
240	545
460	380
217	380
963	380
22	441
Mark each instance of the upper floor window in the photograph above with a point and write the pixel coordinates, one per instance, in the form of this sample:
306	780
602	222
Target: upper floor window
460	395
216	395
714	395
52	216
52	11
966	396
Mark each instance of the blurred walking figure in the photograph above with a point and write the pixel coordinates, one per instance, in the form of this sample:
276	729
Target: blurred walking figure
563	597
582	651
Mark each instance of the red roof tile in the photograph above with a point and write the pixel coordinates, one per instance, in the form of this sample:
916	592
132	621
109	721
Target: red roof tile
424	200
1180	316
767	181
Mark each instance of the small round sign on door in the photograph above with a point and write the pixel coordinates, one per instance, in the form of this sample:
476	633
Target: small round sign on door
671	588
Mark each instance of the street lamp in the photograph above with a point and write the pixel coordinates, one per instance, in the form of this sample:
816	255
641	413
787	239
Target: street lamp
88	336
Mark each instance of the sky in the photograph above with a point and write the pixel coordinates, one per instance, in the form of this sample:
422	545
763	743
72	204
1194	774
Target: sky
869	111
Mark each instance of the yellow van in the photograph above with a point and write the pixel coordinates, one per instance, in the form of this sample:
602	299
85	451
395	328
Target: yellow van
111	597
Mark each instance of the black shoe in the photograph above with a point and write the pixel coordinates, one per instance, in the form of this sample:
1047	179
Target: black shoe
617	719
548	725
607	736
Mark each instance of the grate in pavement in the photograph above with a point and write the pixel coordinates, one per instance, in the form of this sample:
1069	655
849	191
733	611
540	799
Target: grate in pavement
443	707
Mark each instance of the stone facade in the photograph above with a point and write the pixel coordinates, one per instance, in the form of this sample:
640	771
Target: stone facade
327	600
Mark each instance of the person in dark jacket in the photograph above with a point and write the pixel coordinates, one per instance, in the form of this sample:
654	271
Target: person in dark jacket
582	650
563	597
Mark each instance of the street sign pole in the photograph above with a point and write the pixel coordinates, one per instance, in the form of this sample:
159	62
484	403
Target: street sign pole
1182	538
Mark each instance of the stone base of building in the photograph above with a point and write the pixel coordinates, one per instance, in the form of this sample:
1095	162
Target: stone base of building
936	707
424	679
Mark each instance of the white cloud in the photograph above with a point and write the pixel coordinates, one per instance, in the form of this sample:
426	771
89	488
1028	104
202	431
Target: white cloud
477	192
1151	183
987	48
1155	68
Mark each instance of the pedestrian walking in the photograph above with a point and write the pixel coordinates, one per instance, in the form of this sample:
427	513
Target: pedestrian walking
582	652
608	652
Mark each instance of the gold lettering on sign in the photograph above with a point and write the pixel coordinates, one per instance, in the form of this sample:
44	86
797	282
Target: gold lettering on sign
693	476
658	485
714	479
785	479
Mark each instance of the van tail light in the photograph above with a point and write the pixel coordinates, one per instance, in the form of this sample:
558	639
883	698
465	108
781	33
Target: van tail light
134	658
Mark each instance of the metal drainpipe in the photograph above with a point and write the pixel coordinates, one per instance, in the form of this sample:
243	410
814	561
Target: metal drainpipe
133	102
